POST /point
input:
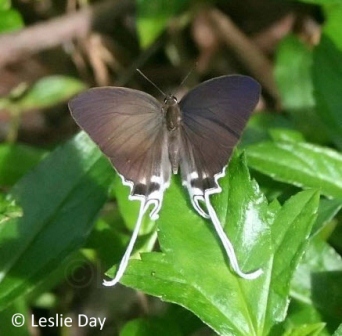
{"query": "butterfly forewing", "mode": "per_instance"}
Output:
(128, 127)
(214, 115)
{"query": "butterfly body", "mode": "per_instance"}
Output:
(173, 118)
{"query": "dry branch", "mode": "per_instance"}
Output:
(17, 45)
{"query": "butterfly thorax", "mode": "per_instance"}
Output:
(172, 113)
(173, 119)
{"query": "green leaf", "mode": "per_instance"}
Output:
(299, 163)
(10, 20)
(6, 322)
(326, 212)
(327, 296)
(294, 79)
(333, 23)
(192, 269)
(327, 77)
(49, 91)
(318, 259)
(172, 320)
(130, 209)
(5, 4)
(280, 134)
(300, 315)
(150, 327)
(186, 321)
(336, 237)
(8, 209)
(60, 199)
(306, 330)
(153, 17)
(290, 230)
(316, 281)
(16, 160)
(322, 2)
(292, 73)
(338, 332)
(259, 125)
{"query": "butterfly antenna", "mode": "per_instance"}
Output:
(151, 82)
(188, 74)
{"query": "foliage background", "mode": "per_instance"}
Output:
(64, 215)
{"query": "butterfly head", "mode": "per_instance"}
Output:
(170, 100)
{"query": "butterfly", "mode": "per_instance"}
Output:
(147, 141)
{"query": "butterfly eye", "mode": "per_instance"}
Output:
(170, 100)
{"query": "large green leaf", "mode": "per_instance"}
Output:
(8, 321)
(16, 160)
(290, 233)
(338, 332)
(49, 91)
(328, 208)
(318, 259)
(259, 125)
(60, 199)
(294, 79)
(333, 23)
(46, 92)
(5, 4)
(193, 271)
(327, 77)
(302, 319)
(129, 210)
(10, 19)
(322, 2)
(305, 330)
(150, 327)
(299, 163)
(8, 209)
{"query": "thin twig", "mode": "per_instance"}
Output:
(18, 45)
